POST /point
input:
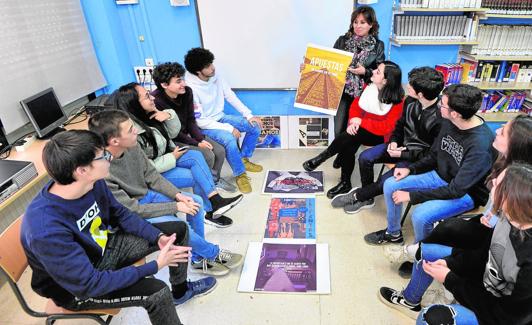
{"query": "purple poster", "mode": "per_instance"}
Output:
(296, 182)
(287, 268)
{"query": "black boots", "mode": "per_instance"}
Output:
(343, 187)
(313, 163)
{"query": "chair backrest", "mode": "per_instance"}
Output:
(12, 257)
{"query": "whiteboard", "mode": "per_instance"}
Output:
(260, 44)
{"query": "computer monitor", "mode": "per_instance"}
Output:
(45, 112)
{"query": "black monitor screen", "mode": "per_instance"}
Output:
(45, 109)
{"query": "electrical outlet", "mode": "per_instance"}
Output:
(148, 62)
(143, 75)
(176, 3)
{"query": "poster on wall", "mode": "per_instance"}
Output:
(293, 182)
(274, 134)
(291, 218)
(322, 80)
(310, 132)
(286, 268)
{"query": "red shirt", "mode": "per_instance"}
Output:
(382, 125)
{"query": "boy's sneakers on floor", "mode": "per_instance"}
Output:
(242, 181)
(341, 200)
(229, 259)
(437, 296)
(197, 288)
(251, 167)
(395, 299)
(225, 185)
(221, 205)
(218, 220)
(209, 267)
(398, 254)
(359, 205)
(382, 237)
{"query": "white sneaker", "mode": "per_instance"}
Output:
(437, 296)
(398, 254)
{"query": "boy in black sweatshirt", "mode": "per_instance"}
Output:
(411, 139)
(450, 179)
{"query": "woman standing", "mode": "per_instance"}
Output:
(372, 118)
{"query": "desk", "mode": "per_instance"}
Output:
(15, 205)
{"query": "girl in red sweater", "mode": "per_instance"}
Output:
(372, 118)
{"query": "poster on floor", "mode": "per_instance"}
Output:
(322, 80)
(291, 218)
(274, 134)
(286, 268)
(310, 132)
(293, 182)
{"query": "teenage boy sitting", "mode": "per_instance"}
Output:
(411, 139)
(450, 179)
(172, 93)
(80, 242)
(210, 91)
(135, 182)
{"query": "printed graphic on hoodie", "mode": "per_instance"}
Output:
(92, 217)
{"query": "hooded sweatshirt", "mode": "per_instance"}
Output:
(209, 101)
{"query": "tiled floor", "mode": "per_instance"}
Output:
(357, 270)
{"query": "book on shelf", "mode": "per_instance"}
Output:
(502, 101)
(495, 72)
(508, 7)
(441, 4)
(498, 40)
(427, 27)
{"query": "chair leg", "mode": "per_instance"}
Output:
(405, 214)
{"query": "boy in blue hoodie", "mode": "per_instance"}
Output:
(80, 242)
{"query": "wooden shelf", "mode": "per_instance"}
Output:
(408, 9)
(503, 85)
(397, 42)
(495, 58)
(508, 16)
(498, 116)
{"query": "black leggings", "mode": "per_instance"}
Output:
(346, 146)
(153, 295)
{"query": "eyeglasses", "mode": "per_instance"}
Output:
(106, 155)
(441, 106)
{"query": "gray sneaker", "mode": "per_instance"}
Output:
(224, 185)
(209, 267)
(341, 200)
(359, 205)
(229, 259)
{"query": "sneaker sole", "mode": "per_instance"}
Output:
(228, 207)
(220, 273)
(385, 243)
(399, 308)
(369, 206)
(217, 225)
(339, 195)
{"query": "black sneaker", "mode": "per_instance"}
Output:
(221, 205)
(341, 200)
(382, 237)
(395, 299)
(359, 205)
(218, 220)
(405, 270)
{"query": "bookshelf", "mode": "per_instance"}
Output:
(477, 57)
(397, 42)
(401, 9)
(502, 85)
(506, 16)
(498, 116)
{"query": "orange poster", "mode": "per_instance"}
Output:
(323, 78)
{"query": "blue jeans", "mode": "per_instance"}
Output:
(366, 160)
(420, 280)
(196, 227)
(192, 171)
(427, 213)
(460, 314)
(233, 154)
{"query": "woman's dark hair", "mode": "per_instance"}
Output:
(164, 72)
(519, 145)
(69, 150)
(197, 59)
(127, 99)
(392, 92)
(514, 194)
(369, 16)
